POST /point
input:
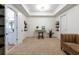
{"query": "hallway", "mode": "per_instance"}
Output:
(47, 21)
(33, 46)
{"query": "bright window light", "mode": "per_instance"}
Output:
(42, 7)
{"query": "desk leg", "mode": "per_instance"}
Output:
(42, 35)
(38, 35)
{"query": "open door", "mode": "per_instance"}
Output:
(10, 28)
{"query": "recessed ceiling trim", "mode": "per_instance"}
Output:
(54, 13)
(26, 9)
(37, 14)
(59, 8)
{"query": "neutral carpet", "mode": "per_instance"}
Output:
(33, 46)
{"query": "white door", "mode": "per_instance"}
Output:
(10, 27)
(63, 24)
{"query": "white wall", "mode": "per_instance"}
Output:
(72, 17)
(21, 32)
(48, 22)
(73, 20)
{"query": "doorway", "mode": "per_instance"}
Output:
(10, 28)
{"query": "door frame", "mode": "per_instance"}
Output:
(16, 22)
(61, 22)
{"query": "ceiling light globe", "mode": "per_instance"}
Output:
(43, 7)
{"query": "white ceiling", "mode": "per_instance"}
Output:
(32, 8)
(54, 9)
(33, 11)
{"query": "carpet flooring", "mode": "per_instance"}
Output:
(33, 46)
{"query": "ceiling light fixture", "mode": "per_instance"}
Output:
(42, 7)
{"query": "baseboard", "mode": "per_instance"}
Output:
(10, 50)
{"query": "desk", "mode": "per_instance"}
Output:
(40, 33)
